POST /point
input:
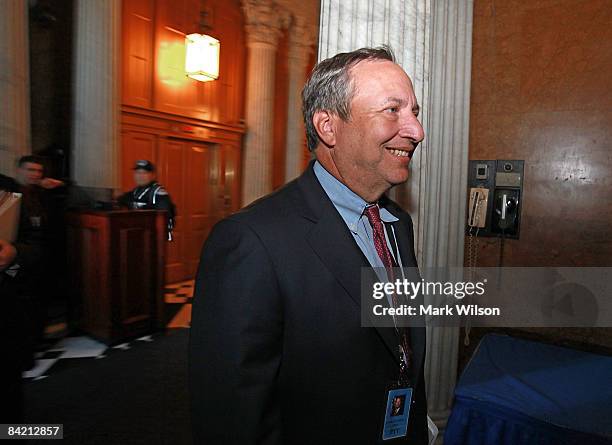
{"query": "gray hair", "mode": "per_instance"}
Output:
(330, 86)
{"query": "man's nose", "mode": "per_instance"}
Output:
(411, 128)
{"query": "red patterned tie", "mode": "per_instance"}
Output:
(380, 243)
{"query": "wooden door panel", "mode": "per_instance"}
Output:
(135, 268)
(226, 100)
(137, 52)
(199, 194)
(171, 172)
(134, 146)
(174, 91)
(232, 179)
(153, 53)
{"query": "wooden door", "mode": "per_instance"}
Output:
(172, 164)
(199, 194)
(190, 171)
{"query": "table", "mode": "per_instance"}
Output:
(516, 392)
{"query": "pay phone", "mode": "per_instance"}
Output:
(494, 207)
(495, 189)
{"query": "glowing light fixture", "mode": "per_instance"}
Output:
(202, 57)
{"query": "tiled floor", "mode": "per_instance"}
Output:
(179, 292)
(178, 299)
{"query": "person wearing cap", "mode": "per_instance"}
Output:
(148, 193)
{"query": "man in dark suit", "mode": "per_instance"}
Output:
(15, 338)
(277, 353)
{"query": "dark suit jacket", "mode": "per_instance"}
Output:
(277, 353)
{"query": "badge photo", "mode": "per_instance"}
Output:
(397, 413)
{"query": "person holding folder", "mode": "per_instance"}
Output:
(34, 237)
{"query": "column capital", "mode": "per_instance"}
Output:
(301, 39)
(264, 20)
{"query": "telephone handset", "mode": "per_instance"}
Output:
(477, 219)
(477, 212)
(506, 206)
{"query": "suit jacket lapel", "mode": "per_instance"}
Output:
(333, 243)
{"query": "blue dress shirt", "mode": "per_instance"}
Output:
(351, 208)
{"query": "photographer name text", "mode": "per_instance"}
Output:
(437, 311)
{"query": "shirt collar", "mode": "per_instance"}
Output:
(348, 203)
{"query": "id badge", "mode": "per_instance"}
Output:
(397, 413)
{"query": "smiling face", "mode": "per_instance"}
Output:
(372, 150)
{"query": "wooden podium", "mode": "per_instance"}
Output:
(116, 270)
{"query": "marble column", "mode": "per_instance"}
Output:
(432, 42)
(95, 143)
(300, 50)
(14, 84)
(264, 22)
(443, 178)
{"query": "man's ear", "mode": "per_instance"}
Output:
(326, 125)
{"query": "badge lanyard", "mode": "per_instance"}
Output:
(399, 396)
(403, 345)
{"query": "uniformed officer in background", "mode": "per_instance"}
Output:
(149, 194)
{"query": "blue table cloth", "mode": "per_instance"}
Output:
(516, 392)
